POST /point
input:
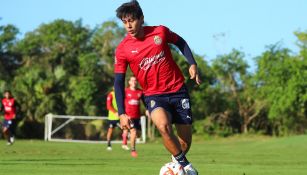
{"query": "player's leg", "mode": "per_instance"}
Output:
(135, 127)
(124, 138)
(133, 135)
(12, 130)
(162, 121)
(109, 134)
(6, 131)
(183, 122)
(184, 133)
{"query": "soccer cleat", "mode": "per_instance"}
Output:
(189, 170)
(134, 154)
(12, 139)
(109, 148)
(125, 147)
(9, 143)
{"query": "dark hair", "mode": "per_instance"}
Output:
(131, 8)
(7, 91)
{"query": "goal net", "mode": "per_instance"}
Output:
(84, 129)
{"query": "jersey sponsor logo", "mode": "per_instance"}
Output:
(146, 63)
(185, 103)
(115, 60)
(157, 40)
(133, 102)
(152, 103)
(8, 108)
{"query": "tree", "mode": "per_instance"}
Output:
(51, 64)
(9, 59)
(234, 80)
(282, 85)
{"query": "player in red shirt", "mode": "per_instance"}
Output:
(146, 51)
(133, 97)
(9, 107)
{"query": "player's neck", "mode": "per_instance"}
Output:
(140, 34)
(132, 88)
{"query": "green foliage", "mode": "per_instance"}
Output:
(282, 85)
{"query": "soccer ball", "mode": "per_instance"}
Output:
(172, 168)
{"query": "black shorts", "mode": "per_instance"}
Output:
(9, 124)
(135, 123)
(113, 123)
(177, 104)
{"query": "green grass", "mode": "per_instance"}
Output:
(232, 156)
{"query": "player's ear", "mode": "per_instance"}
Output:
(142, 19)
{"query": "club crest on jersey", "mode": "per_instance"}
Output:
(185, 103)
(152, 103)
(157, 40)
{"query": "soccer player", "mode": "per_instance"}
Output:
(133, 97)
(9, 107)
(113, 121)
(145, 49)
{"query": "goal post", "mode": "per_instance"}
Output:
(83, 129)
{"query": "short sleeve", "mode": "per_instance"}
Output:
(120, 62)
(171, 37)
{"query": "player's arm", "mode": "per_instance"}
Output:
(173, 38)
(143, 100)
(109, 103)
(119, 86)
(186, 51)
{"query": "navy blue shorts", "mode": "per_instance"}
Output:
(8, 123)
(177, 104)
(113, 123)
(135, 123)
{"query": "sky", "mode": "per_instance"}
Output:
(211, 27)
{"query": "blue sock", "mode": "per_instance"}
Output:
(182, 160)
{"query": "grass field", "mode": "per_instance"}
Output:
(251, 155)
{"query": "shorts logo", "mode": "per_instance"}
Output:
(185, 103)
(157, 40)
(152, 103)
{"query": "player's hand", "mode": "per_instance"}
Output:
(147, 113)
(124, 121)
(194, 74)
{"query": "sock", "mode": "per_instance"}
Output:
(109, 143)
(9, 136)
(124, 136)
(182, 160)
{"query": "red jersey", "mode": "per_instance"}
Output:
(150, 60)
(132, 102)
(9, 108)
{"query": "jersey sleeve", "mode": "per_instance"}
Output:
(120, 63)
(171, 37)
(109, 103)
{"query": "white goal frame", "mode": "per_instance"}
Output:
(49, 131)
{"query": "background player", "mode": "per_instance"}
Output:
(133, 97)
(113, 121)
(146, 51)
(9, 107)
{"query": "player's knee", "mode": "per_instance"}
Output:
(164, 129)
